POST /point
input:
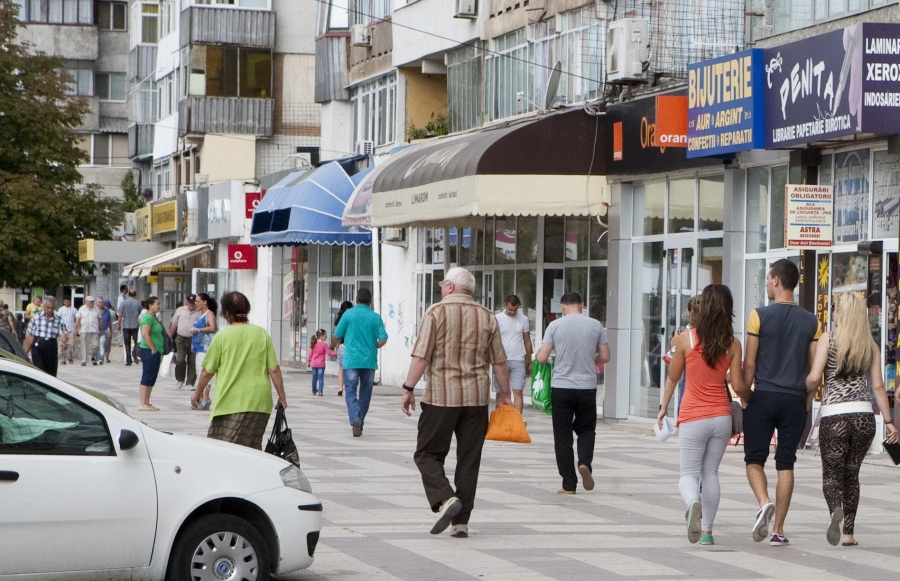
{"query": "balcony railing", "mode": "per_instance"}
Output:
(225, 115)
(140, 140)
(204, 25)
(232, 4)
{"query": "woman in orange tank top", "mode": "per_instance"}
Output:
(707, 352)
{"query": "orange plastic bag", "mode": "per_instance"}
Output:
(506, 425)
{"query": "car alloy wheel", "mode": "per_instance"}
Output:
(224, 556)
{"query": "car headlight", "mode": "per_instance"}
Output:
(293, 477)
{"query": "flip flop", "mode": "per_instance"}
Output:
(205, 406)
(148, 408)
(853, 544)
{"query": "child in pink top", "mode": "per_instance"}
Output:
(318, 348)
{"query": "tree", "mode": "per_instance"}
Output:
(45, 209)
(133, 200)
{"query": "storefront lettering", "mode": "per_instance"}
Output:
(800, 83)
(420, 198)
(720, 82)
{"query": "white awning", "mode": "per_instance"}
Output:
(145, 267)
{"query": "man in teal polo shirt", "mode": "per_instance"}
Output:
(362, 331)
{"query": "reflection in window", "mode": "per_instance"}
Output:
(230, 71)
(779, 180)
(710, 271)
(554, 239)
(712, 202)
(681, 206)
(599, 238)
(505, 241)
(649, 208)
(647, 293)
(526, 290)
(577, 235)
(757, 208)
(526, 240)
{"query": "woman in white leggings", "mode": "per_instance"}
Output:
(708, 352)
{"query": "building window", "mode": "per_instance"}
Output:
(168, 18)
(111, 86)
(144, 102)
(796, 14)
(162, 178)
(113, 15)
(332, 15)
(81, 82)
(56, 11)
(106, 149)
(149, 23)
(375, 103)
(368, 11)
(230, 71)
(464, 85)
(167, 89)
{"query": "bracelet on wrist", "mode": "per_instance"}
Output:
(408, 388)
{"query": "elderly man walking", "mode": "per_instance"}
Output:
(67, 348)
(46, 332)
(458, 342)
(180, 330)
(87, 326)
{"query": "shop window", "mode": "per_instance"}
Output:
(111, 86)
(526, 240)
(554, 240)
(710, 271)
(779, 180)
(597, 295)
(599, 240)
(453, 244)
(885, 206)
(754, 287)
(504, 285)
(472, 250)
(647, 293)
(526, 290)
(712, 202)
(56, 11)
(851, 196)
(577, 234)
(681, 206)
(576, 281)
(113, 15)
(505, 234)
(554, 288)
(350, 262)
(826, 169)
(649, 208)
(365, 260)
(757, 208)
(149, 23)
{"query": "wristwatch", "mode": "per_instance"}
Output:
(408, 388)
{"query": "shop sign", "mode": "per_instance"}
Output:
(225, 204)
(725, 105)
(840, 83)
(808, 216)
(252, 200)
(241, 257)
(86, 250)
(650, 135)
(165, 217)
(142, 223)
(153, 278)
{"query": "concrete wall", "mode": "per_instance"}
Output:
(337, 130)
(71, 42)
(295, 27)
(367, 62)
(398, 310)
(425, 95)
(107, 177)
(508, 15)
(432, 30)
(228, 157)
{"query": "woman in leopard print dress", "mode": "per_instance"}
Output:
(848, 357)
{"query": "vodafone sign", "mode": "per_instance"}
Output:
(241, 257)
(253, 199)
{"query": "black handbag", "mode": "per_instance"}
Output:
(281, 442)
(168, 343)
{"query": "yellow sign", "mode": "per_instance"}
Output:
(165, 217)
(142, 224)
(86, 250)
(153, 278)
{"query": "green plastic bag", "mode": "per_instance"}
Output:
(540, 386)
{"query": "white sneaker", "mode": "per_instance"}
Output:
(448, 510)
(179, 385)
(459, 531)
(188, 388)
(760, 528)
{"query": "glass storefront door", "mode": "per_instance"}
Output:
(680, 284)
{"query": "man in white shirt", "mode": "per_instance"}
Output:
(67, 350)
(515, 333)
(87, 326)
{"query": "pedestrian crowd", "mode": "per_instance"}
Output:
(464, 351)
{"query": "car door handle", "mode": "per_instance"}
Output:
(8, 476)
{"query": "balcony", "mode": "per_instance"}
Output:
(140, 140)
(231, 4)
(70, 42)
(141, 61)
(251, 28)
(426, 29)
(225, 115)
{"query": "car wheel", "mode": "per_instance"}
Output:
(219, 547)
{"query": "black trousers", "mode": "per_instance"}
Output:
(130, 336)
(45, 355)
(437, 425)
(574, 410)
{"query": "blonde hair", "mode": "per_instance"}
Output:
(852, 336)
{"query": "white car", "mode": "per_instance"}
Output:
(87, 492)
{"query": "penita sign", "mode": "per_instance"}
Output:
(241, 257)
(725, 105)
(836, 84)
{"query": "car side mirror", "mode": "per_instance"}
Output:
(127, 440)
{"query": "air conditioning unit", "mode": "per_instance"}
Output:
(393, 235)
(360, 35)
(466, 9)
(184, 189)
(626, 50)
(365, 147)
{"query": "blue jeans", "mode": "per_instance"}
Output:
(358, 392)
(318, 378)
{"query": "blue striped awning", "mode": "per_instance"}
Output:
(306, 208)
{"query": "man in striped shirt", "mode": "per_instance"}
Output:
(41, 338)
(458, 342)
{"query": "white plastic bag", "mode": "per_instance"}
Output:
(165, 368)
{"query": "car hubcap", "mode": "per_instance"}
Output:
(224, 557)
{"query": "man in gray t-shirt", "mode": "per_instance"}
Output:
(580, 344)
(129, 313)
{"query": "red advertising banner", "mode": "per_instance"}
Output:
(241, 257)
(253, 199)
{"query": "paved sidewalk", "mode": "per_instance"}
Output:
(629, 527)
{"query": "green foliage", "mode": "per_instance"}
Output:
(44, 207)
(133, 200)
(437, 126)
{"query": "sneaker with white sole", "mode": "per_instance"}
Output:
(692, 518)
(459, 531)
(778, 540)
(179, 386)
(448, 510)
(760, 528)
(833, 535)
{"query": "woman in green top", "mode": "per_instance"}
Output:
(243, 358)
(151, 347)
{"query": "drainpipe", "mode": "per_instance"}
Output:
(376, 288)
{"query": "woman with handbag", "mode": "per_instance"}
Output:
(243, 359)
(848, 357)
(151, 347)
(707, 352)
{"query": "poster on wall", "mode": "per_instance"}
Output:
(886, 196)
(851, 196)
(808, 216)
(288, 282)
(822, 312)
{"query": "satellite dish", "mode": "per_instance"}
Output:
(552, 86)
